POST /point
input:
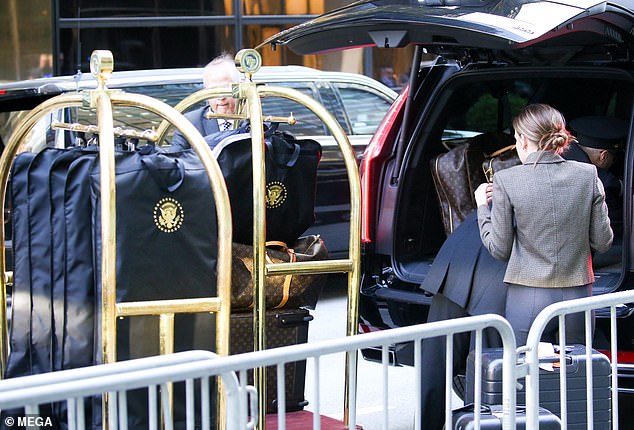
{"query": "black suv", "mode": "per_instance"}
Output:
(475, 65)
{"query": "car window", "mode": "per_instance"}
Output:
(364, 107)
(168, 93)
(331, 102)
(485, 108)
(489, 107)
(308, 124)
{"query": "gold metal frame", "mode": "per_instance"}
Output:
(103, 99)
(249, 95)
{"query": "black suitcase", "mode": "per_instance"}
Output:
(549, 395)
(283, 327)
(491, 418)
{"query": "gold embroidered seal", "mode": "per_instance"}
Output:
(168, 215)
(275, 194)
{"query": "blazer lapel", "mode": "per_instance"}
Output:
(210, 126)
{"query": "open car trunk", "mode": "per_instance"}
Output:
(476, 108)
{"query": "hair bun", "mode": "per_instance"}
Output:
(557, 139)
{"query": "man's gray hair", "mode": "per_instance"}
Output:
(224, 62)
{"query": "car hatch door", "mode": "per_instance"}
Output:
(491, 24)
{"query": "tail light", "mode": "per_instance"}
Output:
(622, 357)
(374, 154)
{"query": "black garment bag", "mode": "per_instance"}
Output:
(166, 245)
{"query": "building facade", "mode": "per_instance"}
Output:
(44, 37)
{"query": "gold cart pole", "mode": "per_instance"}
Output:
(101, 64)
(352, 265)
(248, 61)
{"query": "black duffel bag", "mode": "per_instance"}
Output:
(291, 177)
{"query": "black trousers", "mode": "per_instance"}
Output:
(433, 360)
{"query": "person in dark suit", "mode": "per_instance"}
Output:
(220, 72)
(599, 142)
(465, 280)
(548, 215)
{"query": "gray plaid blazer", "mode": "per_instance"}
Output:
(546, 219)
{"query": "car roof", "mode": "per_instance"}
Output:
(440, 25)
(23, 95)
(122, 79)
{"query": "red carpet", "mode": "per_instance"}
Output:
(303, 420)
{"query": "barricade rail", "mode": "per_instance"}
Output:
(116, 379)
(559, 311)
(73, 385)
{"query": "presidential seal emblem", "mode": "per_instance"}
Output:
(168, 215)
(275, 194)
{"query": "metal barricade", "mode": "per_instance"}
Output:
(150, 372)
(560, 310)
(116, 379)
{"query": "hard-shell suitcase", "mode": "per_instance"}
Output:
(283, 327)
(549, 394)
(491, 418)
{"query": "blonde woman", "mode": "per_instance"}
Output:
(547, 215)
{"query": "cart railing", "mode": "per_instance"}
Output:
(559, 311)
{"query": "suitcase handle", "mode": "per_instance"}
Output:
(470, 407)
(555, 359)
(486, 409)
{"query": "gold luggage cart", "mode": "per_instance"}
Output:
(249, 94)
(248, 61)
(102, 99)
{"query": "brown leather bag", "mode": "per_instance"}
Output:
(291, 291)
(458, 172)
(499, 160)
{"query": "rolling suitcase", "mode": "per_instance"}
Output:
(491, 418)
(549, 395)
(283, 327)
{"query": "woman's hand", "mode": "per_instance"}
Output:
(483, 194)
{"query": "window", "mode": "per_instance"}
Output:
(127, 8)
(365, 109)
(308, 124)
(137, 48)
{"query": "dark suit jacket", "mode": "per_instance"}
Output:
(465, 272)
(203, 125)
